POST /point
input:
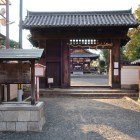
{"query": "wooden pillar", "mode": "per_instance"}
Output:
(33, 82)
(8, 92)
(0, 93)
(42, 45)
(116, 70)
(65, 65)
(43, 80)
(110, 68)
(139, 84)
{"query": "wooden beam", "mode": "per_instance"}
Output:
(98, 46)
(73, 34)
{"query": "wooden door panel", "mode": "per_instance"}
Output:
(54, 71)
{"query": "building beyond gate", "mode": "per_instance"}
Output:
(80, 60)
(56, 32)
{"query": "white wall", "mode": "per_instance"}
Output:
(129, 76)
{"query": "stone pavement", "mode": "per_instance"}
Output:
(85, 119)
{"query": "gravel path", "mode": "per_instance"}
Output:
(89, 80)
(85, 119)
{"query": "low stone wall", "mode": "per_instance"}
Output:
(21, 116)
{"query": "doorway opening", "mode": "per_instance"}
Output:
(89, 63)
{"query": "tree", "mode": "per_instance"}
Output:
(106, 55)
(32, 41)
(132, 48)
(13, 44)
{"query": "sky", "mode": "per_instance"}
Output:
(61, 5)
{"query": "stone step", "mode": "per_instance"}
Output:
(87, 92)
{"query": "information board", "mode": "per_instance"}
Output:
(15, 73)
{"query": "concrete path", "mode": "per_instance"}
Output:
(85, 119)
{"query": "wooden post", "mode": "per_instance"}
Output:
(8, 92)
(33, 82)
(139, 84)
(110, 68)
(116, 68)
(0, 93)
(65, 65)
(37, 88)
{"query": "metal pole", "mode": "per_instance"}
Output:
(7, 25)
(20, 24)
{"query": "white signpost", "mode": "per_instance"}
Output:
(39, 72)
(50, 80)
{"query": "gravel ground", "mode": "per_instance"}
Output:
(85, 119)
(89, 80)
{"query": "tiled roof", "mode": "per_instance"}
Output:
(20, 54)
(86, 54)
(79, 19)
(136, 61)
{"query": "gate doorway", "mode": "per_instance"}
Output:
(89, 63)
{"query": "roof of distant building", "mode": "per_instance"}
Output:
(83, 54)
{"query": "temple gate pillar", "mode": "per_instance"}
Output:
(65, 64)
(115, 64)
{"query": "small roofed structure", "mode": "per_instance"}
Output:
(20, 54)
(136, 62)
(17, 71)
(80, 60)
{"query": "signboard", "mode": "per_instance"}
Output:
(40, 70)
(116, 65)
(15, 73)
(116, 72)
(50, 80)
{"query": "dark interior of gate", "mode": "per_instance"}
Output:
(61, 33)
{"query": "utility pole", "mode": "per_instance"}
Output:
(20, 24)
(20, 91)
(7, 25)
